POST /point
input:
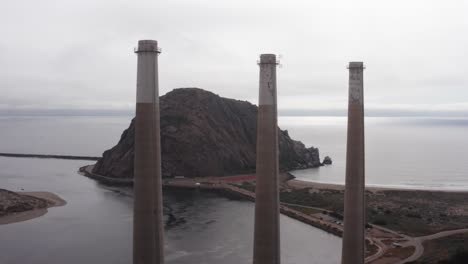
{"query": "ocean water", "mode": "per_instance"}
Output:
(66, 135)
(95, 226)
(404, 152)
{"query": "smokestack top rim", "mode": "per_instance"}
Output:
(356, 64)
(268, 58)
(147, 45)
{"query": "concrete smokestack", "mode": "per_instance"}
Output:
(267, 235)
(148, 243)
(354, 204)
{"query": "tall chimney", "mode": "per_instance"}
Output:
(148, 242)
(266, 234)
(354, 204)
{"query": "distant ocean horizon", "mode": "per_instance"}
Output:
(401, 152)
(95, 226)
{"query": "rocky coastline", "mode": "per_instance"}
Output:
(203, 134)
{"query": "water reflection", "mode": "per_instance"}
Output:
(96, 224)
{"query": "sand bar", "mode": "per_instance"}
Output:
(53, 200)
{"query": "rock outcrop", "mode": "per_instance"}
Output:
(327, 160)
(11, 202)
(203, 134)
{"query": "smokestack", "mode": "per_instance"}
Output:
(148, 243)
(266, 234)
(354, 204)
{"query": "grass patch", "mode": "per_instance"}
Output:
(446, 250)
(415, 213)
(305, 210)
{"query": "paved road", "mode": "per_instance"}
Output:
(418, 241)
(382, 246)
(381, 250)
(305, 206)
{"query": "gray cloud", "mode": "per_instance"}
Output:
(78, 54)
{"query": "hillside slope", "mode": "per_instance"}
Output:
(203, 134)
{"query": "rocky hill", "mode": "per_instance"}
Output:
(203, 134)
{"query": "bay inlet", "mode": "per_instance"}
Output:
(96, 224)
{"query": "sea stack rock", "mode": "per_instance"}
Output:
(203, 134)
(327, 160)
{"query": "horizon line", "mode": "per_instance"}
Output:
(281, 112)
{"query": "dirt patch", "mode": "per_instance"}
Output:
(393, 255)
(438, 250)
(412, 212)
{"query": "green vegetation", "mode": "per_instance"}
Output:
(414, 213)
(460, 256)
(305, 210)
(399, 252)
(246, 186)
(327, 199)
(380, 221)
(446, 250)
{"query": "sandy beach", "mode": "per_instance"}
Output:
(52, 200)
(298, 184)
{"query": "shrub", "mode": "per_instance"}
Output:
(461, 256)
(336, 215)
(380, 221)
(413, 215)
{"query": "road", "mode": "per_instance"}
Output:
(417, 242)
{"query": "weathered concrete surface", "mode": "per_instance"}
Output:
(148, 243)
(266, 234)
(354, 212)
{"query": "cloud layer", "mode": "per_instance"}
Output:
(79, 54)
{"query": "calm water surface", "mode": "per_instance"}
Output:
(73, 135)
(407, 152)
(422, 153)
(96, 224)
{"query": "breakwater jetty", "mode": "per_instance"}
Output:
(47, 156)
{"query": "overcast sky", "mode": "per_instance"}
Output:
(79, 54)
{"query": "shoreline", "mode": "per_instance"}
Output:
(324, 212)
(88, 172)
(294, 182)
(52, 200)
(222, 186)
(340, 187)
